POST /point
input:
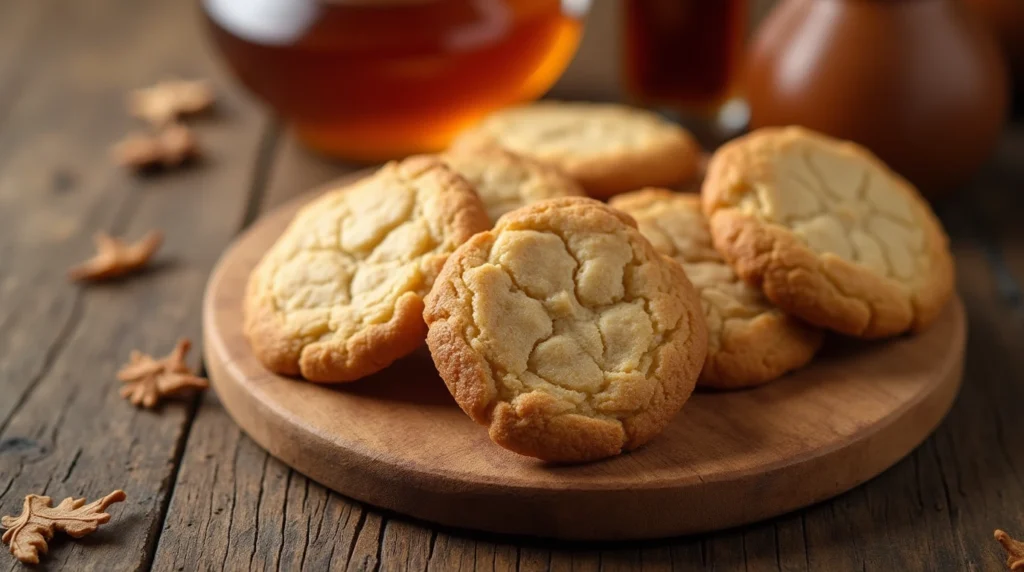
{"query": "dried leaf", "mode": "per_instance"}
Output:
(115, 258)
(169, 100)
(172, 146)
(1014, 550)
(148, 380)
(28, 534)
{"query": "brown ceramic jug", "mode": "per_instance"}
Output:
(1006, 18)
(920, 82)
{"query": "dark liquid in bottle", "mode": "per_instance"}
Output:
(684, 53)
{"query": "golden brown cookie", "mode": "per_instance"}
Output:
(828, 232)
(750, 341)
(506, 181)
(609, 149)
(340, 295)
(565, 333)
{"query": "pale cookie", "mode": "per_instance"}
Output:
(828, 232)
(340, 295)
(565, 333)
(506, 181)
(608, 148)
(750, 341)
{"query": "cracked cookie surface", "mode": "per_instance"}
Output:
(506, 181)
(565, 333)
(828, 232)
(609, 149)
(340, 294)
(750, 341)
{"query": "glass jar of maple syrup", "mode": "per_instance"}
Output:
(377, 79)
(685, 57)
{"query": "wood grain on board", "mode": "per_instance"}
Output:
(397, 440)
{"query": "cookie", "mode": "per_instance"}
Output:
(750, 341)
(828, 232)
(340, 295)
(506, 181)
(609, 149)
(565, 333)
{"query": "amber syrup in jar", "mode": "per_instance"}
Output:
(377, 79)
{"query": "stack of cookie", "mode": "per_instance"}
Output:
(575, 329)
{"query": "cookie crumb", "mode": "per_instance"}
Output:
(115, 258)
(148, 380)
(27, 534)
(1014, 550)
(170, 100)
(170, 147)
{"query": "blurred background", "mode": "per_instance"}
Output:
(603, 42)
(370, 80)
(924, 84)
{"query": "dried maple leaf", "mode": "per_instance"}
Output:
(172, 146)
(27, 534)
(115, 258)
(169, 100)
(1014, 550)
(150, 379)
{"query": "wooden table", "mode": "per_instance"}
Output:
(201, 495)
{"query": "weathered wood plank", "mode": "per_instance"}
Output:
(979, 448)
(23, 46)
(63, 428)
(234, 506)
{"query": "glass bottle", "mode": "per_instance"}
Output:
(685, 56)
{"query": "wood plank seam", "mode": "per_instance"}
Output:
(950, 514)
(380, 537)
(178, 451)
(231, 510)
(284, 517)
(355, 535)
(269, 143)
(172, 478)
(49, 358)
(122, 216)
(259, 502)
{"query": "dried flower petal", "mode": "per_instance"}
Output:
(1014, 550)
(169, 100)
(28, 533)
(172, 146)
(148, 380)
(115, 258)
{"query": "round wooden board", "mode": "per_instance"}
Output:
(397, 440)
